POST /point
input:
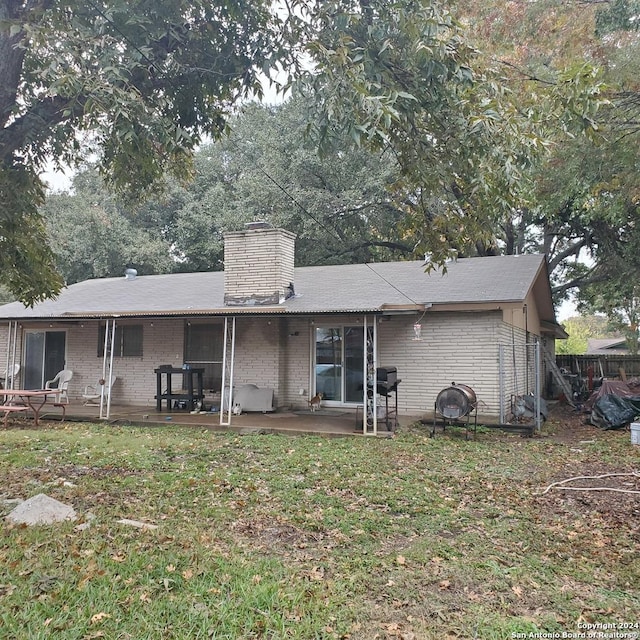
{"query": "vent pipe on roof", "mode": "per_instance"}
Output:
(130, 274)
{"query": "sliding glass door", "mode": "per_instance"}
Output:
(339, 363)
(44, 356)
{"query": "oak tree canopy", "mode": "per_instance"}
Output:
(138, 85)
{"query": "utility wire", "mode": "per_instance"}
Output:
(302, 208)
(330, 230)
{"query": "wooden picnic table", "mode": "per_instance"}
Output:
(35, 400)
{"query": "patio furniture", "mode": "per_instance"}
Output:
(7, 377)
(94, 393)
(10, 408)
(60, 384)
(32, 399)
(250, 397)
(188, 392)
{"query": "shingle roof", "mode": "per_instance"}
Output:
(323, 289)
(611, 346)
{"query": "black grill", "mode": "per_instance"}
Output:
(386, 380)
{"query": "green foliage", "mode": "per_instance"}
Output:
(581, 194)
(5, 295)
(404, 77)
(95, 236)
(138, 86)
(26, 262)
(398, 77)
(135, 84)
(619, 299)
(337, 205)
(618, 15)
(580, 330)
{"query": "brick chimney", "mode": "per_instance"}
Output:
(258, 265)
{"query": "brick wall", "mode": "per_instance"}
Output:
(295, 367)
(276, 352)
(455, 347)
(136, 380)
(257, 353)
(258, 266)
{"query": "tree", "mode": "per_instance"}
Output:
(580, 330)
(138, 83)
(618, 295)
(95, 235)
(582, 201)
(466, 134)
(337, 205)
(622, 309)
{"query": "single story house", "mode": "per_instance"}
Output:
(295, 331)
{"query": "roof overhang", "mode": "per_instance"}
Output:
(224, 312)
(403, 309)
(553, 329)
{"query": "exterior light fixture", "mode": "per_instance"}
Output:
(417, 331)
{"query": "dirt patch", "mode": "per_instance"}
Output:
(285, 539)
(60, 475)
(569, 425)
(614, 500)
(596, 491)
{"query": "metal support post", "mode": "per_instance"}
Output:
(228, 359)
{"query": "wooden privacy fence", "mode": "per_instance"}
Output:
(603, 366)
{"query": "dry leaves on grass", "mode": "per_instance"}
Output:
(99, 617)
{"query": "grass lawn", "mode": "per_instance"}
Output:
(270, 536)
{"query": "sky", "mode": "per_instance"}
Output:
(57, 180)
(566, 310)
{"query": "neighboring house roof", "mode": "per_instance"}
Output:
(374, 287)
(604, 346)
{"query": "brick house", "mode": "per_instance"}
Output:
(295, 331)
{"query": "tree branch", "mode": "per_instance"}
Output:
(581, 281)
(524, 74)
(394, 246)
(38, 119)
(573, 249)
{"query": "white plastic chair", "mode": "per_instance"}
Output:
(60, 384)
(93, 393)
(7, 378)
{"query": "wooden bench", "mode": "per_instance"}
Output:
(10, 408)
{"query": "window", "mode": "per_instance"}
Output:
(128, 341)
(203, 347)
